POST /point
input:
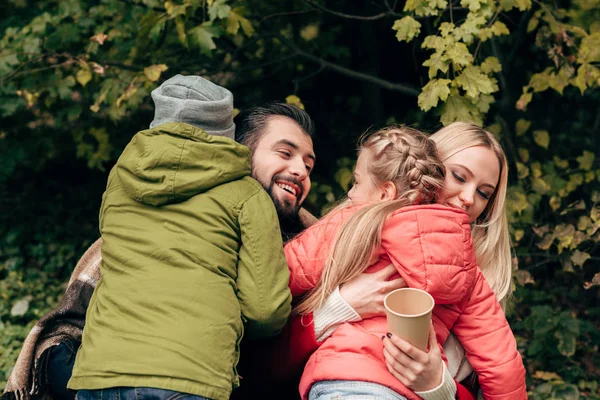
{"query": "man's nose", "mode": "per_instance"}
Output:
(298, 168)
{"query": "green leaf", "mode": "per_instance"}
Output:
(235, 20)
(406, 28)
(435, 90)
(542, 138)
(566, 343)
(586, 160)
(202, 36)
(474, 82)
(153, 72)
(457, 108)
(218, 9)
(180, 27)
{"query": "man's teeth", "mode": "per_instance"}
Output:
(287, 188)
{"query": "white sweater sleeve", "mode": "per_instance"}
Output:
(445, 391)
(334, 312)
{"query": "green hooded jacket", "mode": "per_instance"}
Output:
(192, 254)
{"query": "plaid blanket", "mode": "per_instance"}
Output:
(65, 324)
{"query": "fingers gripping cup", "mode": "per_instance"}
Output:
(408, 314)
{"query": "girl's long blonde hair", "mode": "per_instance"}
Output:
(490, 230)
(397, 154)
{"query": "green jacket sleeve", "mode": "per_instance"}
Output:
(263, 275)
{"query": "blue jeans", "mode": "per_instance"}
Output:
(135, 393)
(351, 390)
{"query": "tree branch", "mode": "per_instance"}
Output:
(396, 87)
(348, 16)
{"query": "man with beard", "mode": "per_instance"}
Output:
(279, 137)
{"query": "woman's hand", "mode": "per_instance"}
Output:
(415, 369)
(366, 292)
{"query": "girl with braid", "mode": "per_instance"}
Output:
(391, 217)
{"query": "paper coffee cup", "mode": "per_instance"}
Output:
(408, 314)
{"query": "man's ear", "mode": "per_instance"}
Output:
(388, 191)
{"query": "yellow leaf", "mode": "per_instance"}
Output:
(519, 234)
(153, 72)
(560, 163)
(594, 282)
(542, 138)
(595, 214)
(236, 111)
(546, 376)
(586, 160)
(546, 242)
(536, 169)
(524, 154)
(523, 277)
(540, 185)
(99, 38)
(97, 68)
(522, 171)
(295, 101)
(580, 257)
(555, 203)
(518, 202)
(83, 76)
(589, 176)
(522, 126)
(309, 32)
(131, 89)
(29, 97)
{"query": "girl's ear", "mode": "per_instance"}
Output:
(388, 191)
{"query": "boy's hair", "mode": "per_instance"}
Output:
(397, 154)
(251, 123)
(490, 231)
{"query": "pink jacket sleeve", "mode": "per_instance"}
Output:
(490, 345)
(432, 248)
(306, 254)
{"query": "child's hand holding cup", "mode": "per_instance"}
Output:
(408, 312)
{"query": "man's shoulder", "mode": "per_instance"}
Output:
(239, 191)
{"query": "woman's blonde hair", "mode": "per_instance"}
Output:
(490, 230)
(397, 154)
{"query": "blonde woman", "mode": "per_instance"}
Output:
(396, 169)
(469, 154)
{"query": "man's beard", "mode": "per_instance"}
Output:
(285, 209)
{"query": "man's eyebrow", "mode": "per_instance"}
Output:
(295, 147)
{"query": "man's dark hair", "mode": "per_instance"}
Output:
(250, 124)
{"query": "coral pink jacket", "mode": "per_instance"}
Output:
(432, 249)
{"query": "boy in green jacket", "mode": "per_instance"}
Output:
(192, 256)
